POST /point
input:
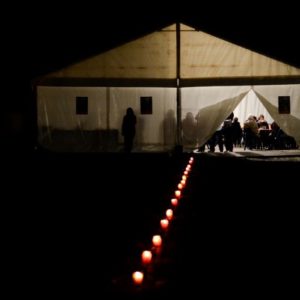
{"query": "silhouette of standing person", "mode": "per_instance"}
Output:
(128, 129)
(189, 129)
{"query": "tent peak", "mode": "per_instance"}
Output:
(183, 27)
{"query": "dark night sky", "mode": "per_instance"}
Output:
(51, 35)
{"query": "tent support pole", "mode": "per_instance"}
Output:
(107, 108)
(178, 90)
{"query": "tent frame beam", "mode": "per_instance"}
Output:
(240, 81)
(154, 82)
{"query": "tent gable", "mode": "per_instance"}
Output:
(206, 56)
(153, 56)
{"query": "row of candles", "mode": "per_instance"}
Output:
(147, 255)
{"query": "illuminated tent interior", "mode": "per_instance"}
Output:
(164, 76)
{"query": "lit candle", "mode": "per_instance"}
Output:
(184, 177)
(174, 201)
(156, 241)
(183, 182)
(146, 257)
(169, 214)
(180, 186)
(138, 277)
(177, 194)
(164, 223)
(185, 172)
(192, 158)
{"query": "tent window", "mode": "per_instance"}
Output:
(284, 105)
(81, 105)
(146, 105)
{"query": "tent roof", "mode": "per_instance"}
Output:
(151, 61)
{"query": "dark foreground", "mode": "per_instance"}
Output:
(75, 225)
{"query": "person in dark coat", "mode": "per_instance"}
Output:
(236, 132)
(128, 129)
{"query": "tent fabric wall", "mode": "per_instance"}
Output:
(268, 95)
(156, 128)
(61, 129)
(56, 108)
(251, 105)
(210, 106)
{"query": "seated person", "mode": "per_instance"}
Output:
(250, 131)
(280, 140)
(262, 123)
(264, 132)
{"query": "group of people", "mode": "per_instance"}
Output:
(259, 134)
(256, 133)
(228, 135)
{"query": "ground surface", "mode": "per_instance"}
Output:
(75, 225)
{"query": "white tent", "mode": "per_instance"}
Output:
(179, 72)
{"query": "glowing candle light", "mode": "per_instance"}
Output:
(180, 186)
(191, 158)
(146, 257)
(185, 172)
(177, 194)
(184, 177)
(164, 224)
(174, 201)
(138, 277)
(169, 214)
(183, 182)
(156, 240)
